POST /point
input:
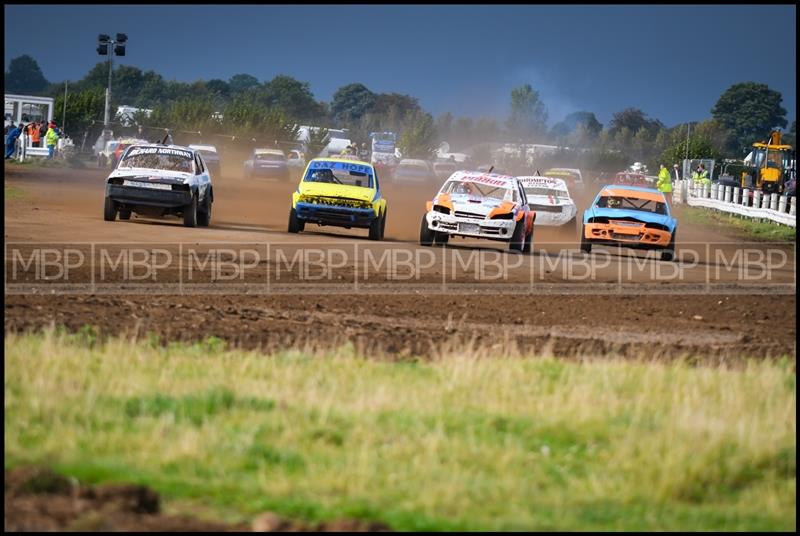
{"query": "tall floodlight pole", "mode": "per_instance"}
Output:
(104, 49)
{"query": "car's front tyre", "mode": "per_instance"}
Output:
(668, 254)
(586, 246)
(377, 226)
(295, 224)
(204, 213)
(517, 242)
(109, 209)
(426, 235)
(190, 213)
(528, 242)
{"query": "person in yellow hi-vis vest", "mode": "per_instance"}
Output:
(664, 183)
(700, 176)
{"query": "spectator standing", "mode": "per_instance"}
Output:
(11, 141)
(676, 172)
(35, 134)
(664, 183)
(51, 138)
(42, 129)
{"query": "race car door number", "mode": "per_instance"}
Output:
(152, 185)
(469, 228)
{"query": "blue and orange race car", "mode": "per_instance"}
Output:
(632, 217)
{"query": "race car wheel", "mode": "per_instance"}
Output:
(124, 213)
(528, 242)
(440, 239)
(668, 254)
(204, 213)
(190, 213)
(586, 246)
(426, 236)
(295, 225)
(109, 209)
(376, 227)
(517, 242)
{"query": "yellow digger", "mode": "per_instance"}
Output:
(769, 165)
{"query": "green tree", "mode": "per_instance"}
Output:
(749, 111)
(790, 137)
(634, 120)
(352, 101)
(242, 83)
(218, 87)
(528, 114)
(591, 126)
(317, 140)
(126, 85)
(24, 76)
(96, 77)
(402, 104)
(247, 118)
(418, 139)
(700, 146)
(152, 90)
(84, 113)
(291, 96)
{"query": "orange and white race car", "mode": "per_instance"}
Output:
(631, 217)
(479, 205)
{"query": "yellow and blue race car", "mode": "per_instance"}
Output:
(339, 192)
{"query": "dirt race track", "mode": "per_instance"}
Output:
(723, 298)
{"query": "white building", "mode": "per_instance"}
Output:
(125, 114)
(27, 108)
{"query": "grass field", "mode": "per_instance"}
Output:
(745, 227)
(459, 442)
(12, 192)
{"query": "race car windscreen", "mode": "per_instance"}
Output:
(631, 203)
(331, 172)
(479, 191)
(161, 158)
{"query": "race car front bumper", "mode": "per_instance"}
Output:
(633, 237)
(335, 215)
(131, 195)
(453, 225)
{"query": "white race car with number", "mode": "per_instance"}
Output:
(156, 180)
(550, 198)
(479, 205)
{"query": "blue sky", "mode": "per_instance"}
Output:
(673, 62)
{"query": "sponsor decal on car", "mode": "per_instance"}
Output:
(160, 151)
(332, 164)
(152, 185)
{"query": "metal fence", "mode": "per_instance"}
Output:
(745, 202)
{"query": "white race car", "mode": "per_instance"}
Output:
(550, 198)
(156, 180)
(479, 205)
